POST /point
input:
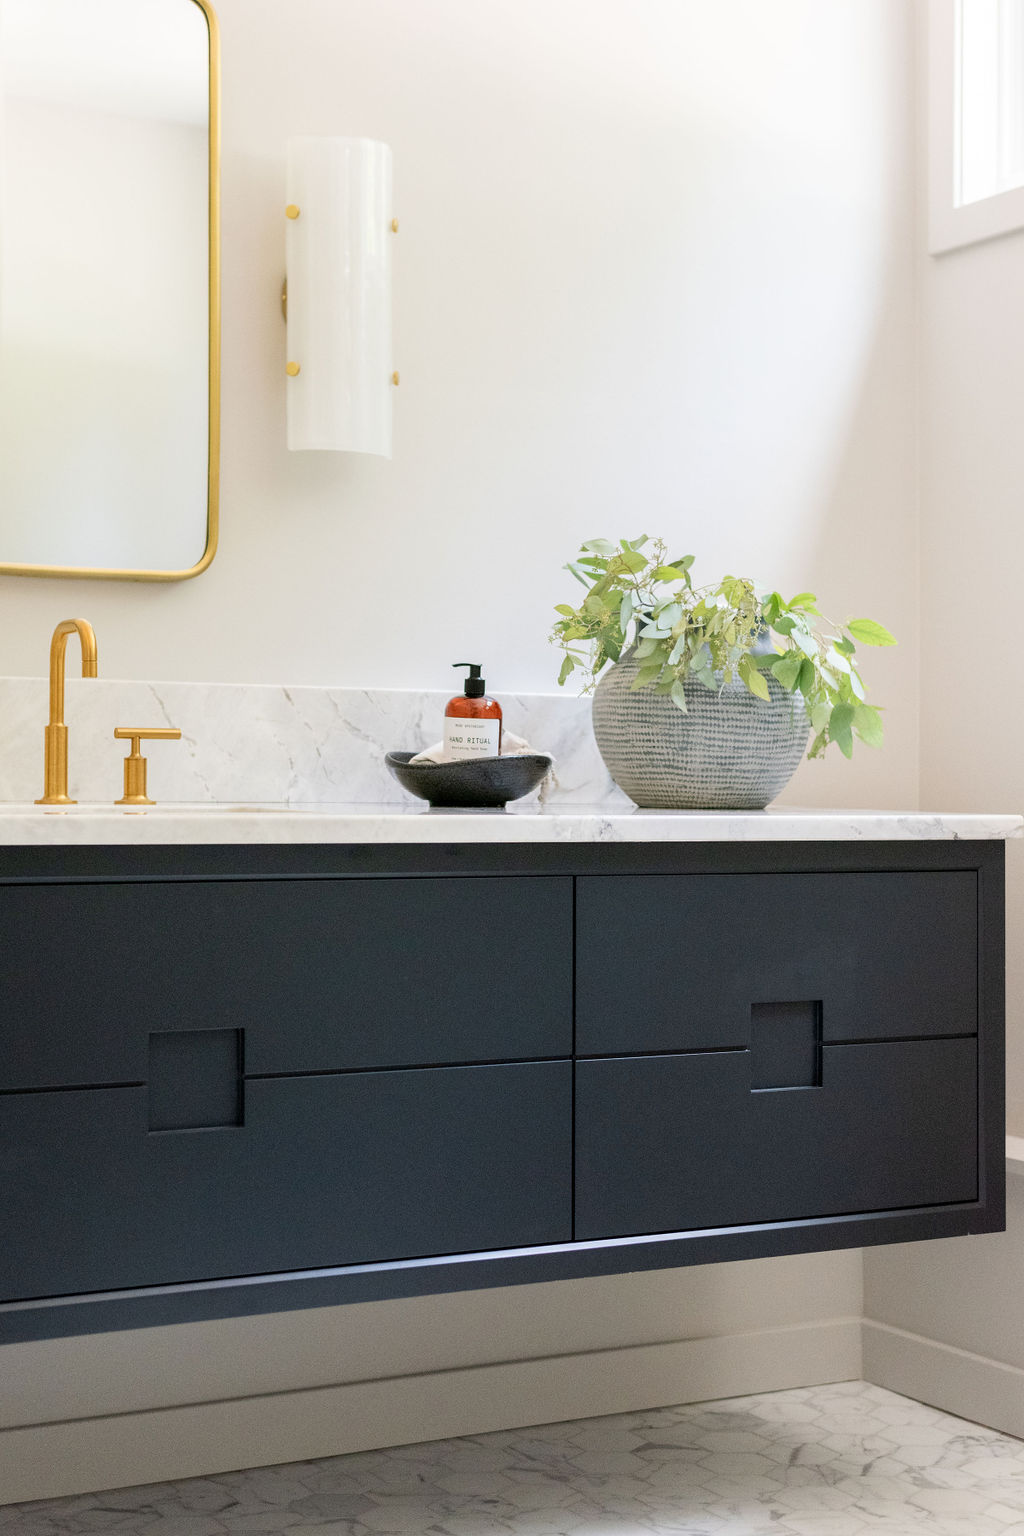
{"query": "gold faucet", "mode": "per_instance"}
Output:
(55, 784)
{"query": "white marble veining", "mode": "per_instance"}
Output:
(843, 1460)
(271, 744)
(265, 764)
(30, 825)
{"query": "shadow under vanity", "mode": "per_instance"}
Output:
(241, 1076)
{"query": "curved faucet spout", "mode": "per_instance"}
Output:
(55, 783)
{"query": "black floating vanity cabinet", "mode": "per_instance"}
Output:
(246, 1079)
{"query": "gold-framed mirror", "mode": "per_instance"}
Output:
(109, 288)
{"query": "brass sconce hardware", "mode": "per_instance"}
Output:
(135, 763)
(291, 212)
(394, 226)
(55, 778)
(292, 369)
(394, 377)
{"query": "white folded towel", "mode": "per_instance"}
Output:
(511, 746)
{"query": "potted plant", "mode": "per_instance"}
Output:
(712, 705)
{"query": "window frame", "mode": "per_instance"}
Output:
(949, 226)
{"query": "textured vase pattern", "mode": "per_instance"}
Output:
(730, 752)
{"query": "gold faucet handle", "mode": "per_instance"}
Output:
(135, 763)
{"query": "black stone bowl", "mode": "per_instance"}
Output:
(482, 782)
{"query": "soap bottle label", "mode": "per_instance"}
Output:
(471, 738)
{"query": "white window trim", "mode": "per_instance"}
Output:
(950, 227)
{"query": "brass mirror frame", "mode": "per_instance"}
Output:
(213, 443)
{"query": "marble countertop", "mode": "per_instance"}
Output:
(90, 825)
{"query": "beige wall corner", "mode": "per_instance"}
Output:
(944, 1321)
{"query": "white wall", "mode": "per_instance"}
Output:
(946, 1320)
(654, 273)
(164, 1403)
(972, 553)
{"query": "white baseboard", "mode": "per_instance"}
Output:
(84, 1455)
(971, 1386)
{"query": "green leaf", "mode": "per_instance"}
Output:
(669, 615)
(646, 676)
(678, 695)
(847, 647)
(669, 573)
(787, 669)
(808, 676)
(820, 716)
(837, 660)
(734, 589)
(646, 648)
(567, 665)
(867, 722)
(570, 613)
(806, 642)
(784, 625)
(802, 600)
(600, 547)
(753, 679)
(633, 560)
(580, 577)
(840, 728)
(625, 610)
(870, 633)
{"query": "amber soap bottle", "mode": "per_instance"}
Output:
(472, 721)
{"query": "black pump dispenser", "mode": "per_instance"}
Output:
(475, 684)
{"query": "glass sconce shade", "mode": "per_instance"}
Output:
(338, 255)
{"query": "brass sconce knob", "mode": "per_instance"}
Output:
(292, 211)
(292, 369)
(135, 763)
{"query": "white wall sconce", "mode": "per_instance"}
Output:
(338, 261)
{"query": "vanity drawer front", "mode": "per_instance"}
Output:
(324, 1171)
(674, 1143)
(676, 962)
(320, 974)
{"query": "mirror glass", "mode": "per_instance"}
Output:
(108, 287)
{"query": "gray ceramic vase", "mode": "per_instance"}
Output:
(730, 752)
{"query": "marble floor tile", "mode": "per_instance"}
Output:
(846, 1460)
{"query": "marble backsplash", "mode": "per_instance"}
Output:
(260, 742)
